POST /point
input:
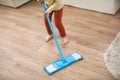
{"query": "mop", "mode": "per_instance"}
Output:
(63, 61)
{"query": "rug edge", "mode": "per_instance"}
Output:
(107, 51)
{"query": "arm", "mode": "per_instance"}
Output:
(53, 6)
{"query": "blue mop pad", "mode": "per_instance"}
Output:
(63, 61)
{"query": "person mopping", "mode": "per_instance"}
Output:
(55, 6)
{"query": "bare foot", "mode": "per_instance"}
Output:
(48, 38)
(65, 41)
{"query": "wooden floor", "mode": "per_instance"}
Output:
(23, 52)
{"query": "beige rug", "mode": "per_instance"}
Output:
(112, 57)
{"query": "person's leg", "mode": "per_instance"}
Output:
(49, 36)
(59, 25)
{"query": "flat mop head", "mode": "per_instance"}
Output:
(62, 63)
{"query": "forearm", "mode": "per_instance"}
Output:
(52, 8)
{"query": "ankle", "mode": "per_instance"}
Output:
(65, 40)
(48, 37)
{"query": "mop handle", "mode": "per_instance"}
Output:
(53, 32)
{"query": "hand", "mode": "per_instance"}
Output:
(45, 13)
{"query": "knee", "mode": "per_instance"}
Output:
(58, 23)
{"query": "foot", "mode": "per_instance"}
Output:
(48, 38)
(65, 41)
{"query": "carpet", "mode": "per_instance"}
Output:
(112, 57)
